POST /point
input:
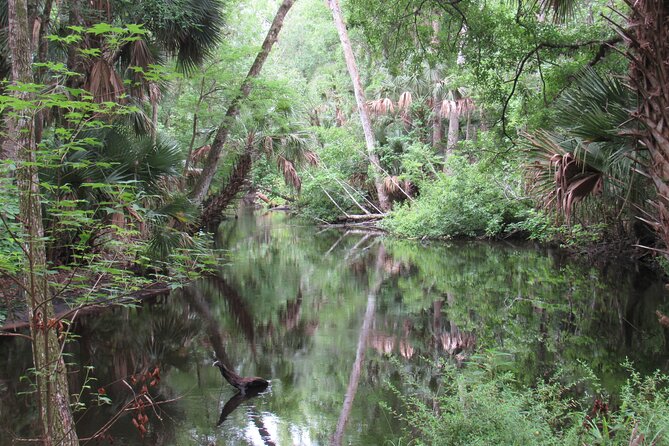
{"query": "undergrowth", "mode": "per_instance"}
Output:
(478, 405)
(469, 202)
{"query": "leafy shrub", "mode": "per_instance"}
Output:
(342, 173)
(469, 202)
(538, 225)
(480, 406)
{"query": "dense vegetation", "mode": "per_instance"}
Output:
(130, 127)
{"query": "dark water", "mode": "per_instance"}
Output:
(332, 318)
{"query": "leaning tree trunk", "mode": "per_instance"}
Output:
(213, 208)
(647, 36)
(211, 164)
(50, 374)
(384, 202)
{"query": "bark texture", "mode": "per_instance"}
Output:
(215, 205)
(437, 131)
(384, 202)
(211, 165)
(50, 373)
(647, 36)
(453, 126)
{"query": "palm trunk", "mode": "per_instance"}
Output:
(50, 374)
(647, 35)
(384, 202)
(213, 208)
(202, 186)
(437, 131)
(453, 127)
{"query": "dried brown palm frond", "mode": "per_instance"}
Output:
(358, 180)
(662, 318)
(311, 158)
(155, 95)
(140, 54)
(200, 154)
(560, 177)
(456, 341)
(466, 105)
(104, 83)
(381, 106)
(459, 106)
(398, 189)
(448, 106)
(289, 172)
(405, 101)
(391, 185)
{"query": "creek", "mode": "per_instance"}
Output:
(332, 317)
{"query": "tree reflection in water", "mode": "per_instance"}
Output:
(331, 318)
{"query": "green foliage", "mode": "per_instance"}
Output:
(476, 411)
(103, 189)
(479, 405)
(469, 202)
(542, 227)
(342, 174)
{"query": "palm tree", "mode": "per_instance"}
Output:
(594, 153)
(123, 162)
(201, 188)
(287, 148)
(647, 37)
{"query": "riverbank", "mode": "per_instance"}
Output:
(68, 309)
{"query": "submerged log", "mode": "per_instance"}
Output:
(245, 385)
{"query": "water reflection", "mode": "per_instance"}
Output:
(329, 318)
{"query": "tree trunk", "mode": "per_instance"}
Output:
(213, 208)
(384, 202)
(437, 130)
(202, 186)
(50, 373)
(647, 35)
(453, 127)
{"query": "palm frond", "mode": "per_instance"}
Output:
(562, 9)
(194, 35)
(289, 172)
(405, 101)
(381, 106)
(312, 158)
(104, 83)
(596, 108)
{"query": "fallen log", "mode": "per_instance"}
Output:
(363, 217)
(64, 311)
